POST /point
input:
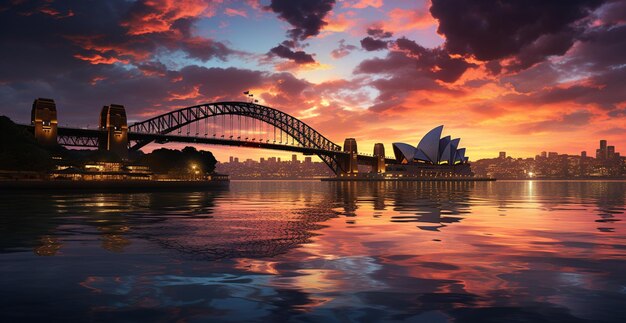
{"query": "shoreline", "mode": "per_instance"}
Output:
(107, 185)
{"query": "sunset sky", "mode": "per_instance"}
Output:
(517, 76)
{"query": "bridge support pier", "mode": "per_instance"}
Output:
(115, 139)
(349, 164)
(43, 117)
(378, 166)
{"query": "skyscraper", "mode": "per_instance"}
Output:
(602, 153)
(502, 155)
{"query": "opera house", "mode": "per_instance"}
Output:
(433, 156)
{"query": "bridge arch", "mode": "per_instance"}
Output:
(301, 132)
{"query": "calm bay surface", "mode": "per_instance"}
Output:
(536, 251)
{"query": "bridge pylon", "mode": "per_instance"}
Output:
(349, 163)
(378, 166)
(113, 121)
(43, 117)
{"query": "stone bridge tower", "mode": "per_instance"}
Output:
(379, 155)
(350, 163)
(115, 139)
(43, 117)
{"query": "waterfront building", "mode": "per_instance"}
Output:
(432, 157)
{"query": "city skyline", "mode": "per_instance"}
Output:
(607, 162)
(378, 71)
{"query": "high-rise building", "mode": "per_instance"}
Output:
(236, 159)
(544, 154)
(583, 154)
(552, 154)
(307, 160)
(502, 155)
(294, 158)
(261, 160)
(610, 152)
(602, 153)
(230, 159)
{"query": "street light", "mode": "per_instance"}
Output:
(194, 171)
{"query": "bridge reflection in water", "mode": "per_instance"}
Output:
(275, 251)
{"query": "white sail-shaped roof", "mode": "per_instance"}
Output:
(445, 154)
(460, 155)
(443, 143)
(403, 151)
(454, 143)
(449, 153)
(429, 145)
(419, 155)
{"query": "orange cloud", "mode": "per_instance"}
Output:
(55, 13)
(123, 52)
(408, 19)
(193, 93)
(98, 59)
(159, 15)
(340, 22)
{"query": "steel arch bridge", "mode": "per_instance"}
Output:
(249, 125)
(308, 139)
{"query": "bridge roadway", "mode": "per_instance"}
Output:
(79, 137)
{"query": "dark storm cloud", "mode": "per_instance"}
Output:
(375, 41)
(411, 57)
(371, 44)
(408, 67)
(493, 67)
(527, 30)
(89, 59)
(96, 32)
(306, 16)
(378, 32)
(598, 56)
(298, 56)
(436, 60)
(36, 46)
(601, 49)
(307, 19)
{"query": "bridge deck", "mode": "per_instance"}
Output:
(91, 136)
